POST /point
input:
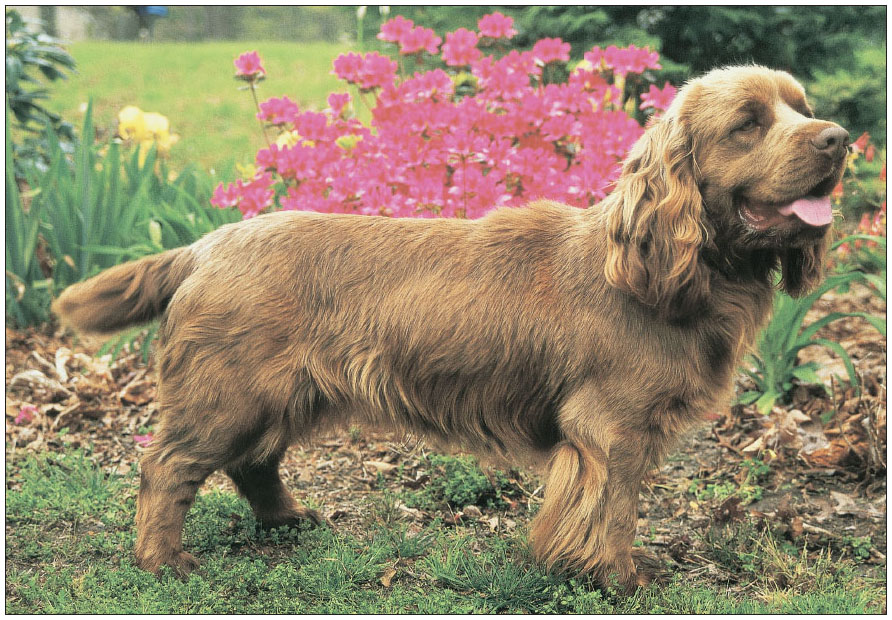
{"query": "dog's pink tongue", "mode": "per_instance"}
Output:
(812, 211)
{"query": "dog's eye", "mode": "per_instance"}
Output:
(748, 125)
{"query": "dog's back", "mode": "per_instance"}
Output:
(462, 331)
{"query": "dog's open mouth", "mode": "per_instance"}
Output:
(813, 209)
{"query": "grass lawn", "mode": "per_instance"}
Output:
(69, 549)
(192, 85)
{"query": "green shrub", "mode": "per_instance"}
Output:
(855, 95)
(458, 481)
(27, 294)
(29, 53)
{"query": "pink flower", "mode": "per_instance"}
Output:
(369, 72)
(419, 39)
(26, 414)
(428, 153)
(251, 198)
(496, 26)
(312, 125)
(225, 197)
(460, 48)
(550, 50)
(143, 441)
(256, 195)
(377, 71)
(337, 102)
(623, 60)
(278, 110)
(395, 29)
(248, 65)
(657, 98)
(347, 67)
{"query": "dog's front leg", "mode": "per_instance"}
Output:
(587, 521)
(629, 459)
(569, 531)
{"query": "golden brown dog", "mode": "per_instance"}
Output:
(584, 339)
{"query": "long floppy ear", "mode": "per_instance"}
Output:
(655, 230)
(802, 268)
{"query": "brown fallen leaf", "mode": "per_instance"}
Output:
(36, 380)
(387, 577)
(138, 392)
(380, 466)
(828, 456)
(796, 527)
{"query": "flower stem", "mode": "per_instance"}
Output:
(259, 120)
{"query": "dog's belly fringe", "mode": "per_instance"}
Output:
(477, 411)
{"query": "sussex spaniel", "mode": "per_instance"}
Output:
(587, 340)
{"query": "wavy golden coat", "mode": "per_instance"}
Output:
(585, 340)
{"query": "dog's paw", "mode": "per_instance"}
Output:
(648, 568)
(296, 517)
(181, 562)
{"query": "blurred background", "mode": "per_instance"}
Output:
(839, 52)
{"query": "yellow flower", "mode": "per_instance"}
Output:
(166, 141)
(131, 123)
(288, 139)
(144, 147)
(246, 171)
(348, 141)
(145, 129)
(583, 65)
(156, 124)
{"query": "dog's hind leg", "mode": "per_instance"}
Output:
(169, 480)
(262, 486)
(190, 444)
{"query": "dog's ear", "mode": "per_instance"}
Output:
(802, 268)
(655, 229)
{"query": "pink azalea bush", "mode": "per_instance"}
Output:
(474, 133)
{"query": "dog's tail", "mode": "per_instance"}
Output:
(125, 295)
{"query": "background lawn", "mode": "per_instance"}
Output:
(192, 85)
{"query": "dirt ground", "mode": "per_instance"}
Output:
(816, 482)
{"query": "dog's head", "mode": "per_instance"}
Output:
(738, 166)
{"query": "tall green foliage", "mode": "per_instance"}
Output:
(27, 297)
(854, 94)
(775, 365)
(92, 211)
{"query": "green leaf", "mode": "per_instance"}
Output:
(765, 402)
(748, 398)
(806, 373)
(813, 328)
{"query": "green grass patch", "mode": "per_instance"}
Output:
(458, 481)
(192, 85)
(69, 549)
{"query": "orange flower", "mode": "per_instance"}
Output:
(860, 144)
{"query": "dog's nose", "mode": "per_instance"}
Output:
(832, 141)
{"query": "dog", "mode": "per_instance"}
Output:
(587, 340)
